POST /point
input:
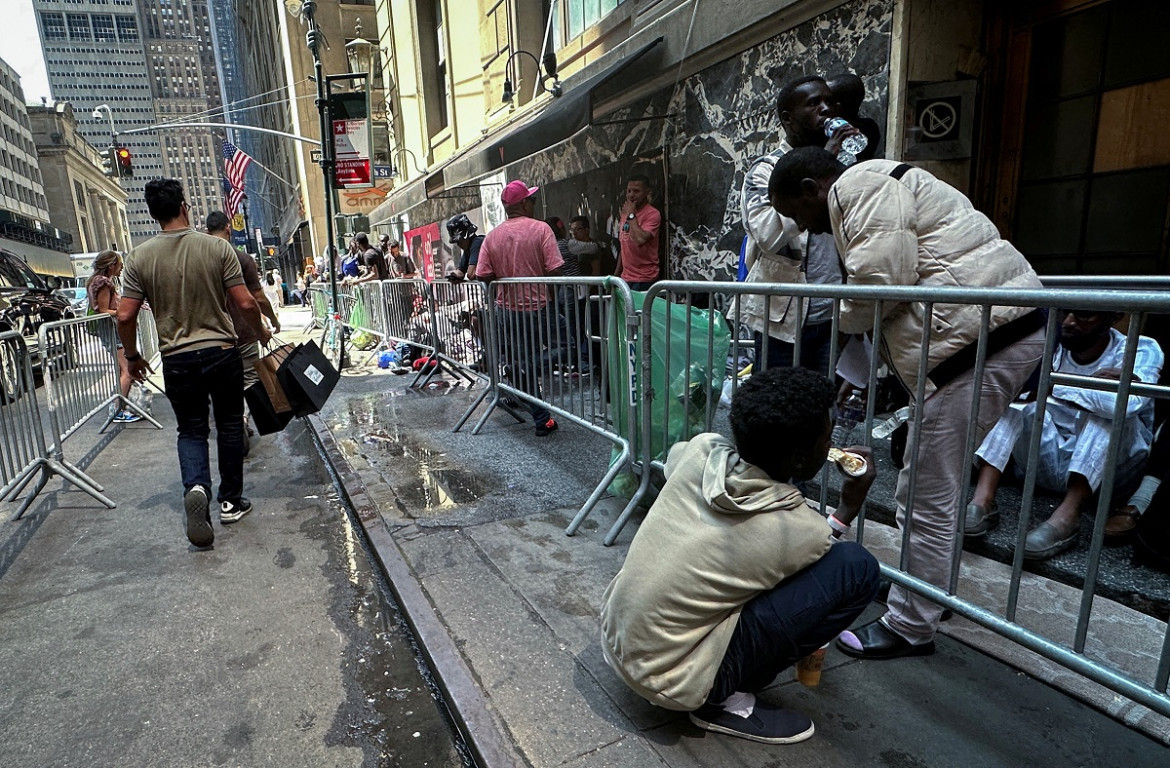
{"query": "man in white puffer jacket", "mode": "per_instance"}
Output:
(899, 225)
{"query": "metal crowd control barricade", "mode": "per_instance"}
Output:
(82, 375)
(1149, 689)
(407, 306)
(25, 455)
(318, 302)
(560, 357)
(456, 329)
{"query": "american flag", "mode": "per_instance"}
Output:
(235, 162)
(233, 197)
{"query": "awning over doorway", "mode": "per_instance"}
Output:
(559, 120)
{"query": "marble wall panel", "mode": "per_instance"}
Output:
(696, 140)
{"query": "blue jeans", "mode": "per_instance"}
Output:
(574, 325)
(779, 627)
(815, 345)
(522, 338)
(193, 380)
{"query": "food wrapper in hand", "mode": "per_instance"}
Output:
(854, 465)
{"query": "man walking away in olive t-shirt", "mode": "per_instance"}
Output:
(188, 277)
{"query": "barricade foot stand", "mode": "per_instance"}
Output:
(133, 408)
(77, 471)
(471, 409)
(500, 401)
(111, 405)
(617, 466)
(629, 509)
(45, 468)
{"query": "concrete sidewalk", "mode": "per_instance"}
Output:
(470, 529)
(120, 645)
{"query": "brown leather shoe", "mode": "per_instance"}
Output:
(1122, 522)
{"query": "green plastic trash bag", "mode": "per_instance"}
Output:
(686, 377)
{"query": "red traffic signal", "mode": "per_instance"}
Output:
(125, 162)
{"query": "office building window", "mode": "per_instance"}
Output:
(78, 26)
(580, 15)
(54, 25)
(103, 28)
(127, 29)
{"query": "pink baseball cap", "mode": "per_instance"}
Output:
(517, 191)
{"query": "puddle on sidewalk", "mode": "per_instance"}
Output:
(425, 480)
(438, 485)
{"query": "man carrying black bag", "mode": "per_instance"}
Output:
(188, 277)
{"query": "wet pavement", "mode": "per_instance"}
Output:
(120, 645)
(473, 527)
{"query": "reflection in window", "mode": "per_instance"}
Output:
(580, 15)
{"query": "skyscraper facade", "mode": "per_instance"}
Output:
(249, 45)
(94, 55)
(148, 61)
(180, 58)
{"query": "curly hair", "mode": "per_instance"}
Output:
(778, 413)
(784, 98)
(801, 163)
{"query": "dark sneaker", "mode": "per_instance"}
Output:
(767, 724)
(198, 510)
(546, 428)
(126, 417)
(230, 513)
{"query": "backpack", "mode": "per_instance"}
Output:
(349, 267)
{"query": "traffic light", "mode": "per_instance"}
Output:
(110, 161)
(125, 162)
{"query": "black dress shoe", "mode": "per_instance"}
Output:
(875, 641)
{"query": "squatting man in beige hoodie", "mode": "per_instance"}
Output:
(733, 577)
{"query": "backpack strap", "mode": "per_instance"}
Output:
(900, 171)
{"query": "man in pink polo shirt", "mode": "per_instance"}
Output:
(522, 246)
(638, 262)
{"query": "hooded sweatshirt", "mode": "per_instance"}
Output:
(721, 532)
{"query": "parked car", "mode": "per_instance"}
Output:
(78, 299)
(26, 301)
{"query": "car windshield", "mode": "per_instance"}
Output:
(76, 294)
(14, 273)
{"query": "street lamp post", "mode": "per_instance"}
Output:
(314, 39)
(97, 115)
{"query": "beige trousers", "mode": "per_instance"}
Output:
(939, 448)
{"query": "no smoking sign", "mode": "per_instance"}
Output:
(938, 118)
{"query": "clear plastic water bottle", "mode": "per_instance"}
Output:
(849, 416)
(850, 147)
(141, 396)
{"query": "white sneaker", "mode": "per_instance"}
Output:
(230, 513)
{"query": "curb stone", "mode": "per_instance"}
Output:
(477, 722)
